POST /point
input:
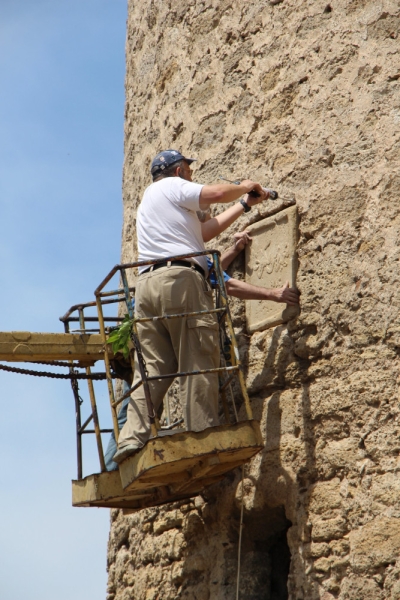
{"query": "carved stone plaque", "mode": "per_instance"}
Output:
(271, 261)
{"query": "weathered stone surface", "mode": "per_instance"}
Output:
(303, 96)
(365, 589)
(330, 529)
(375, 544)
(271, 261)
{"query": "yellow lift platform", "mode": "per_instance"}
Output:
(173, 465)
(171, 468)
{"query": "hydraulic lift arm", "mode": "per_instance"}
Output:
(21, 346)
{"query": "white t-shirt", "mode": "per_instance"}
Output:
(167, 224)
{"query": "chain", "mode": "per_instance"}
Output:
(54, 363)
(72, 375)
(75, 390)
(139, 354)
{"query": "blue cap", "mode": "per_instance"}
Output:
(166, 159)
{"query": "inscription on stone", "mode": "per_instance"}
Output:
(271, 261)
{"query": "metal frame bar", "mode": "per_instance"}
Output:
(223, 309)
(81, 429)
(93, 404)
(123, 294)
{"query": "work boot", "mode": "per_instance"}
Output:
(124, 453)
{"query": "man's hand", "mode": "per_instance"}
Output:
(224, 193)
(252, 186)
(286, 294)
(241, 240)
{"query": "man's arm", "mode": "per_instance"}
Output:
(240, 241)
(225, 192)
(247, 291)
(214, 226)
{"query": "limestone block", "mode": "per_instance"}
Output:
(323, 564)
(152, 594)
(376, 543)
(171, 520)
(324, 497)
(168, 546)
(356, 587)
(318, 549)
(327, 596)
(385, 490)
(330, 529)
(338, 455)
(270, 262)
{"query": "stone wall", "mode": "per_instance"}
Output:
(303, 95)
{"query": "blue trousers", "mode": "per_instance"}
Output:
(112, 445)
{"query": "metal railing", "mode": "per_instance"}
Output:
(76, 314)
(228, 371)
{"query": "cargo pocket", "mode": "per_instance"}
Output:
(203, 334)
(209, 300)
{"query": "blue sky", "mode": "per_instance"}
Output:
(61, 129)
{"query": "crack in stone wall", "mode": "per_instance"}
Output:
(304, 96)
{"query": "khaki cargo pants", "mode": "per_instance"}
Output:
(172, 345)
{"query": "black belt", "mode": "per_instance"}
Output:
(175, 263)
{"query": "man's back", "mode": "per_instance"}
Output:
(167, 224)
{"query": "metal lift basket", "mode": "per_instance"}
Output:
(173, 465)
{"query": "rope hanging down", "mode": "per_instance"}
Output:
(73, 375)
(240, 539)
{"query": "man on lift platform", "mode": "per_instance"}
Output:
(167, 225)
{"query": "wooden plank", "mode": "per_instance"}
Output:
(204, 467)
(175, 495)
(171, 468)
(201, 471)
(104, 489)
(149, 479)
(196, 486)
(147, 483)
(19, 346)
(184, 450)
(222, 468)
(97, 487)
